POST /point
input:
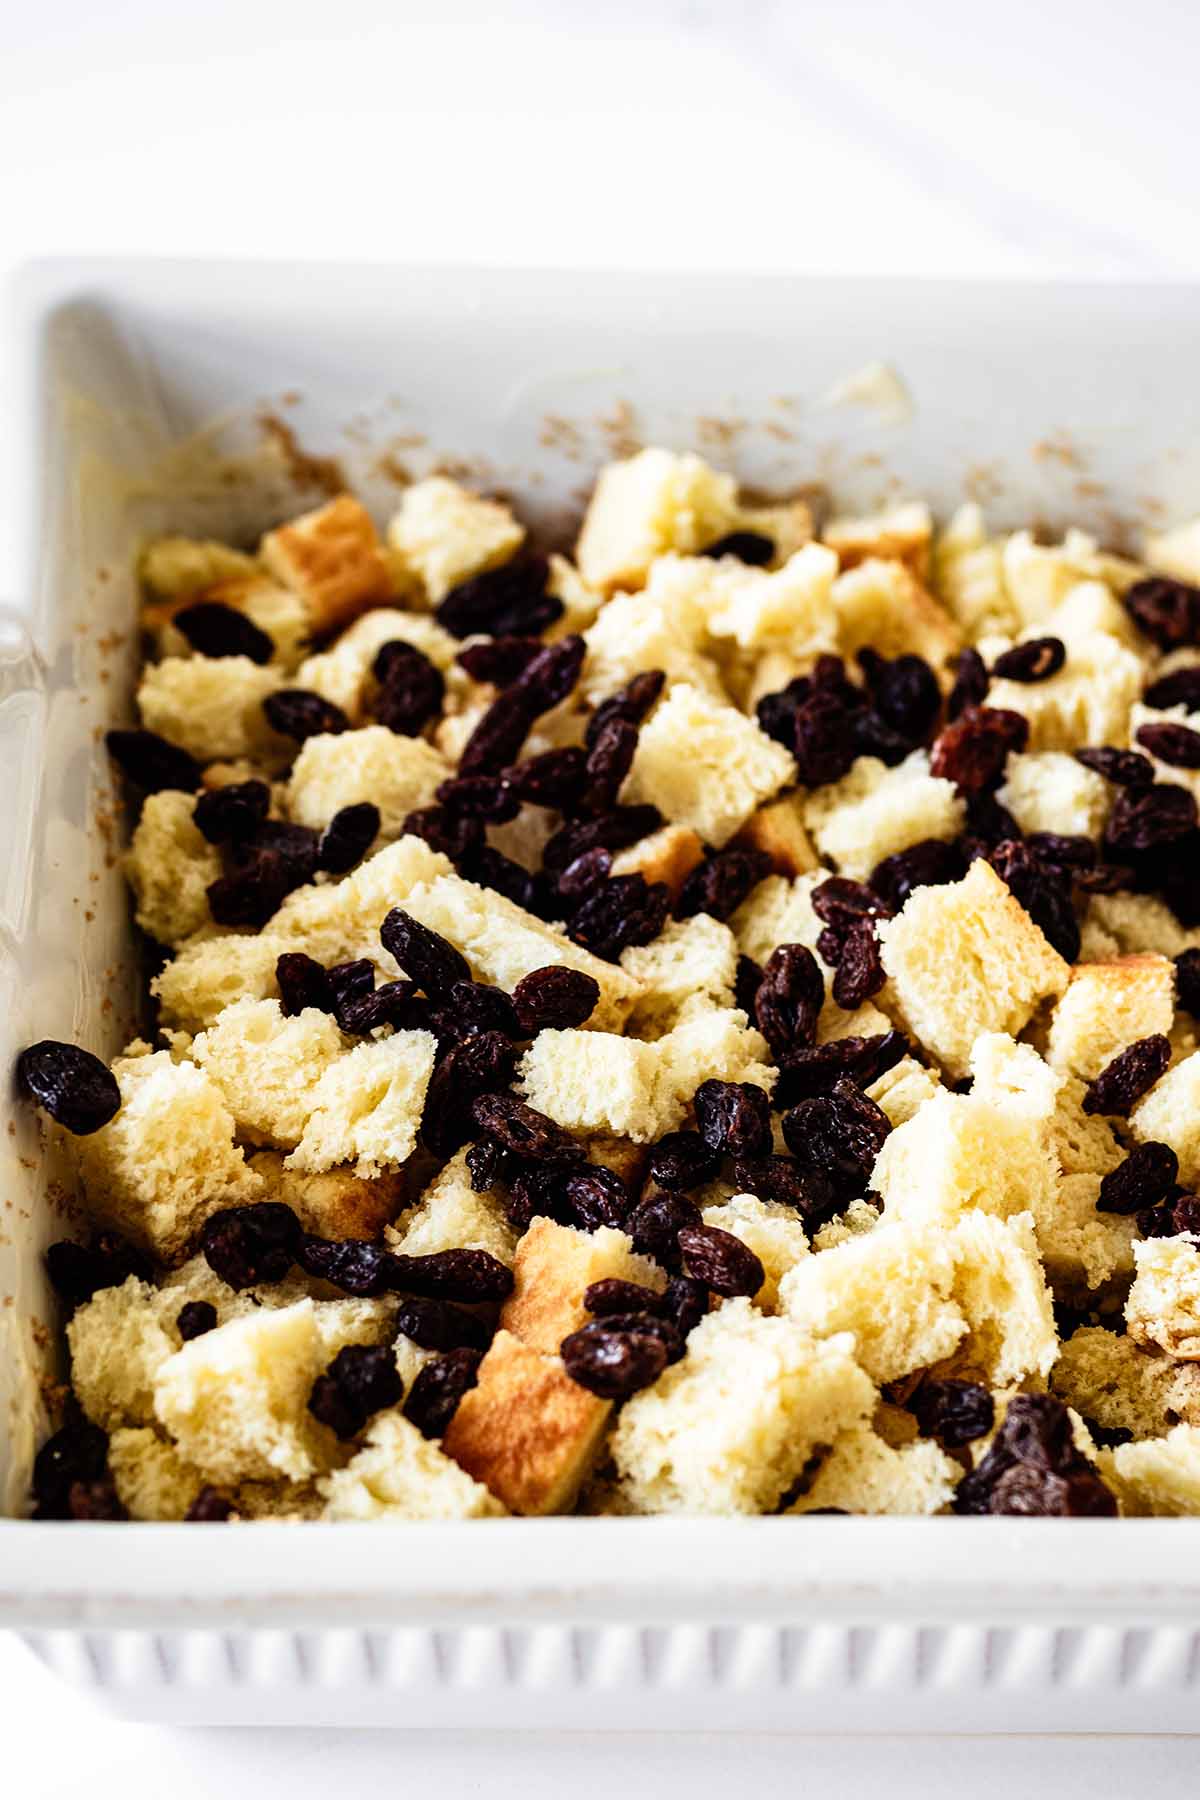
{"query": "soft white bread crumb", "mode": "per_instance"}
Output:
(788, 523)
(336, 1203)
(639, 509)
(859, 1218)
(526, 1430)
(180, 568)
(170, 866)
(1047, 790)
(399, 774)
(196, 986)
(338, 921)
(118, 1341)
(663, 627)
(1158, 1477)
(864, 1474)
(342, 673)
(902, 1090)
(881, 605)
(668, 855)
(594, 1081)
(1163, 1308)
(1127, 924)
(442, 533)
(553, 1267)
(731, 1427)
(778, 912)
(366, 1108)
(772, 1230)
(706, 765)
(1176, 552)
(1170, 1114)
(333, 559)
(968, 575)
(964, 959)
(901, 533)
(450, 1215)
(151, 1478)
(788, 609)
(1118, 1386)
(1086, 702)
(268, 1065)
(167, 1159)
(212, 707)
(399, 1474)
(1106, 1007)
(690, 960)
(874, 811)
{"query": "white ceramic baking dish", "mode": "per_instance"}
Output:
(142, 384)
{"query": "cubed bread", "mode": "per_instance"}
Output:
(196, 986)
(875, 811)
(862, 1473)
(968, 575)
(337, 1203)
(664, 627)
(902, 1090)
(212, 707)
(342, 672)
(1163, 1308)
(778, 830)
(771, 1229)
(788, 524)
(268, 1066)
(1170, 1114)
(882, 606)
(275, 610)
(594, 1081)
(399, 1474)
(1157, 1477)
(692, 961)
(450, 1215)
(730, 1428)
(788, 609)
(1176, 551)
(333, 559)
(554, 1264)
(654, 502)
(859, 1218)
(668, 856)
(706, 765)
(1086, 702)
(964, 959)
(180, 568)
(152, 1480)
(1128, 924)
(168, 1159)
(901, 533)
(118, 1341)
(1040, 578)
(1116, 1385)
(777, 912)
(1108, 1006)
(366, 1108)
(442, 533)
(527, 1431)
(1047, 790)
(399, 774)
(339, 921)
(170, 866)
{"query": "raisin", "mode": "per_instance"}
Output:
(487, 797)
(214, 629)
(302, 982)
(535, 1189)
(631, 703)
(1123, 1081)
(1185, 1213)
(905, 691)
(734, 1119)
(840, 902)
(350, 980)
(488, 1164)
(970, 684)
(551, 675)
(1062, 850)
(360, 1381)
(655, 1223)
(825, 741)
(1125, 768)
(227, 814)
(753, 547)
(436, 1325)
(776, 713)
(357, 1267)
(71, 1084)
(682, 1161)
(472, 1007)
(555, 778)
(500, 659)
(811, 1191)
(434, 1396)
(471, 1276)
(746, 982)
(953, 1412)
(195, 1318)
(498, 737)
(151, 763)
(1176, 744)
(1146, 1176)
(1045, 896)
(789, 998)
(584, 876)
(348, 836)
(615, 1296)
(77, 1271)
(254, 893)
(610, 1363)
(1036, 1441)
(685, 1303)
(608, 763)
(1180, 688)
(1187, 981)
(451, 833)
(625, 911)
(300, 713)
(79, 1452)
(614, 830)
(860, 969)
(873, 736)
(988, 822)
(930, 863)
(555, 999)
(394, 1003)
(595, 1197)
(425, 956)
(506, 602)
(411, 689)
(1033, 1493)
(489, 868)
(246, 1245)
(1167, 611)
(95, 1500)
(720, 1260)
(807, 1072)
(472, 1067)
(1034, 660)
(209, 1508)
(525, 1131)
(973, 750)
(719, 884)
(1105, 878)
(842, 1132)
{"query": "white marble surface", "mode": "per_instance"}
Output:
(851, 135)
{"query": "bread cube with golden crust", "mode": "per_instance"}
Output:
(333, 559)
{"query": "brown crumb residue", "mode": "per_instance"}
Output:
(618, 429)
(1058, 449)
(563, 436)
(324, 473)
(390, 468)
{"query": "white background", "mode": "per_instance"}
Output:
(848, 135)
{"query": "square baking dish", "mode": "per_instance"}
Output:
(193, 397)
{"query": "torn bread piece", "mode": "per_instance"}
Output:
(333, 559)
(442, 534)
(553, 1267)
